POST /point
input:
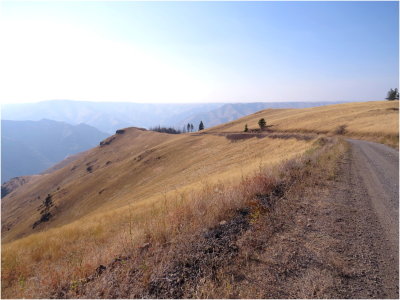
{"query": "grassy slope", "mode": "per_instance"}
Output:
(378, 120)
(143, 166)
(147, 170)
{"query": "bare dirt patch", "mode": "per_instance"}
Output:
(234, 137)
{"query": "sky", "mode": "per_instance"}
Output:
(198, 51)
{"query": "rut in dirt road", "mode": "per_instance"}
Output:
(371, 190)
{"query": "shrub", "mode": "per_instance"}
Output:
(169, 130)
(262, 123)
(45, 214)
(340, 129)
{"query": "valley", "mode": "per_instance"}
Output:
(32, 147)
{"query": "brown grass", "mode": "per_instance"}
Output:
(273, 259)
(177, 221)
(143, 166)
(277, 258)
(46, 261)
(376, 121)
(59, 257)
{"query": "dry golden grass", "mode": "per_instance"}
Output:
(138, 175)
(151, 199)
(274, 259)
(47, 261)
(151, 187)
(377, 120)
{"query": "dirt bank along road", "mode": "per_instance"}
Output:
(368, 194)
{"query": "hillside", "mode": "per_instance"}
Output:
(232, 111)
(376, 121)
(30, 147)
(135, 168)
(141, 189)
(14, 183)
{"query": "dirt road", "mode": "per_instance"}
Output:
(378, 166)
(367, 198)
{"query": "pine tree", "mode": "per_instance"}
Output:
(262, 123)
(191, 127)
(393, 94)
(188, 127)
(246, 128)
(201, 125)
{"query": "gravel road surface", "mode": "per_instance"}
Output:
(369, 191)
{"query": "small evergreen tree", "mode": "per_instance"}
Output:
(191, 127)
(201, 125)
(246, 128)
(188, 127)
(262, 123)
(393, 94)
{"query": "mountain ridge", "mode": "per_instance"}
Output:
(31, 147)
(110, 116)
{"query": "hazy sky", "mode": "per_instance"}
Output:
(198, 51)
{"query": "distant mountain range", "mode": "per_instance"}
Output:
(110, 116)
(106, 116)
(30, 147)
